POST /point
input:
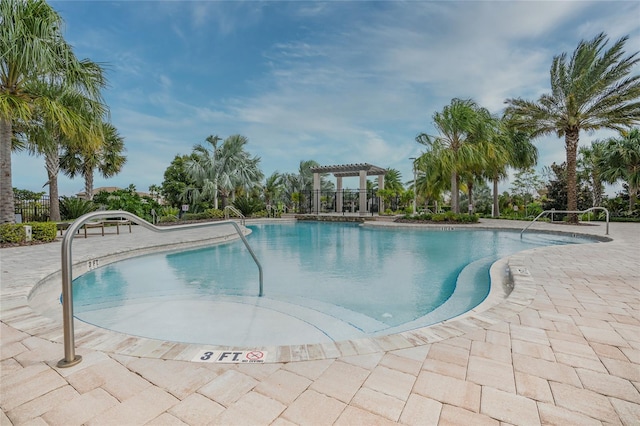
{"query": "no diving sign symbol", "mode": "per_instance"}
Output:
(230, 357)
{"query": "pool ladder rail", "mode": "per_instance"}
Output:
(552, 211)
(234, 211)
(70, 358)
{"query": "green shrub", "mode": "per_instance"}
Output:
(214, 213)
(12, 233)
(167, 219)
(43, 231)
(248, 206)
(73, 208)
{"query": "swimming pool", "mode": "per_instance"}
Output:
(322, 282)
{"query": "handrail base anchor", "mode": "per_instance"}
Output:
(63, 363)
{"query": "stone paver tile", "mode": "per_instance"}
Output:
(491, 351)
(529, 334)
(445, 368)
(569, 337)
(251, 409)
(196, 410)
(553, 415)
(314, 408)
(228, 387)
(4, 420)
(599, 335)
(508, 407)
(166, 419)
(450, 354)
(341, 381)
(573, 348)
(400, 363)
(448, 390)
(367, 361)
(111, 376)
(460, 342)
(623, 369)
(139, 409)
(420, 411)
(391, 382)
(608, 385)
(632, 355)
(80, 409)
(583, 401)
(379, 403)
(456, 416)
(283, 386)
(38, 421)
(28, 384)
(492, 373)
(9, 366)
(258, 371)
(629, 413)
(309, 369)
(545, 369)
(608, 351)
(38, 406)
(581, 362)
(533, 387)
(12, 349)
(418, 353)
(282, 422)
(498, 338)
(356, 416)
(533, 350)
(178, 377)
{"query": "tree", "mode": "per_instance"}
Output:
(591, 90)
(221, 170)
(44, 134)
(460, 124)
(557, 189)
(106, 157)
(177, 180)
(33, 50)
(621, 161)
(525, 184)
(589, 161)
(508, 148)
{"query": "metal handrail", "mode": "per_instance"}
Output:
(546, 212)
(70, 358)
(234, 210)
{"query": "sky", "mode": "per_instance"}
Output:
(338, 82)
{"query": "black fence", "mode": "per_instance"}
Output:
(328, 202)
(32, 210)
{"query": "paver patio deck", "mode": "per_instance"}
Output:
(564, 348)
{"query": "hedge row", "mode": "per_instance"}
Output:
(40, 231)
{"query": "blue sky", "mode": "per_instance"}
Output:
(336, 82)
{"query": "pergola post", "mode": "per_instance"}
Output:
(316, 193)
(339, 195)
(363, 192)
(381, 199)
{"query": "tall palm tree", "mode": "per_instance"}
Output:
(45, 136)
(589, 160)
(272, 188)
(221, 170)
(508, 148)
(621, 161)
(33, 49)
(83, 160)
(591, 90)
(460, 125)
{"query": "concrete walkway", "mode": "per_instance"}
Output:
(563, 348)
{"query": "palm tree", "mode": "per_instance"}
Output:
(621, 161)
(221, 170)
(45, 136)
(272, 188)
(508, 148)
(591, 90)
(107, 158)
(589, 161)
(461, 124)
(33, 50)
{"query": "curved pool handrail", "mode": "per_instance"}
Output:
(546, 212)
(234, 211)
(70, 358)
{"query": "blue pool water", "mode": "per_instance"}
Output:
(362, 280)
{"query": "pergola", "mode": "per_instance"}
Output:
(348, 170)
